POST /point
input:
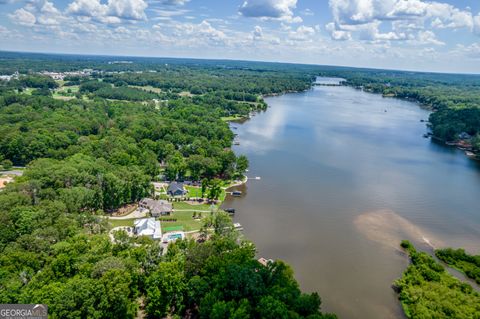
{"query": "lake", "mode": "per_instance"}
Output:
(345, 175)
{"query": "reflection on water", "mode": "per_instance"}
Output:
(345, 175)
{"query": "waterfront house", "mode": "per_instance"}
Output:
(148, 227)
(156, 207)
(464, 136)
(176, 189)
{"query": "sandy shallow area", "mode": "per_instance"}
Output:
(388, 228)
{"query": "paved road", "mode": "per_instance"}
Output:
(12, 172)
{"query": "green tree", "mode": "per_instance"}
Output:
(6, 164)
(165, 290)
(242, 164)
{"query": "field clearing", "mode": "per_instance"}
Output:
(121, 222)
(232, 118)
(66, 92)
(192, 208)
(184, 221)
(147, 88)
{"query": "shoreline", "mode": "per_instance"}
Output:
(430, 108)
(238, 183)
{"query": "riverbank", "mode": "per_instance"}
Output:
(313, 188)
(462, 144)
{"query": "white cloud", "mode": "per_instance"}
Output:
(22, 17)
(308, 12)
(428, 37)
(127, 9)
(476, 24)
(112, 12)
(471, 51)
(257, 33)
(191, 34)
(172, 2)
(270, 9)
(302, 33)
(88, 8)
(364, 18)
(339, 35)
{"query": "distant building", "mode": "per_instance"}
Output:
(156, 207)
(54, 75)
(176, 189)
(464, 136)
(148, 227)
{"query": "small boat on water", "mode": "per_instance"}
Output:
(230, 211)
(238, 226)
(237, 193)
(236, 143)
(470, 154)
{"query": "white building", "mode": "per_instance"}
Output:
(148, 227)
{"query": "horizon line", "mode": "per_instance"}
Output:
(237, 60)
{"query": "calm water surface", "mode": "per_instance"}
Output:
(345, 175)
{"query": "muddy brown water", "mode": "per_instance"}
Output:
(345, 175)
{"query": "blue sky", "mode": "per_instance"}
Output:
(441, 35)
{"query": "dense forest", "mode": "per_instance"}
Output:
(459, 259)
(454, 98)
(427, 290)
(94, 143)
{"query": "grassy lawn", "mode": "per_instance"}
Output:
(63, 94)
(184, 220)
(197, 191)
(147, 88)
(28, 91)
(183, 205)
(121, 222)
(194, 191)
(232, 118)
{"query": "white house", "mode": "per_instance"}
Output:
(148, 227)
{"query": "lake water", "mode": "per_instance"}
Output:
(345, 175)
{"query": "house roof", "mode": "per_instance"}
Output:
(157, 205)
(175, 186)
(148, 227)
